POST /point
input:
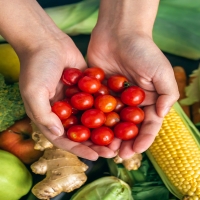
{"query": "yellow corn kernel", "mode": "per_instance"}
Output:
(175, 154)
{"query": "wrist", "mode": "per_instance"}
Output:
(133, 16)
(26, 27)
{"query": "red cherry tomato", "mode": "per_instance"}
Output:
(72, 90)
(102, 136)
(89, 84)
(71, 76)
(120, 105)
(78, 133)
(112, 118)
(105, 103)
(93, 118)
(125, 130)
(132, 114)
(72, 120)
(117, 83)
(133, 96)
(102, 90)
(82, 101)
(62, 109)
(95, 72)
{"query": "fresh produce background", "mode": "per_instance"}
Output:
(176, 33)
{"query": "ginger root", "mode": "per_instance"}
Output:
(64, 171)
(132, 163)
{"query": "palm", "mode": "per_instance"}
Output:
(144, 65)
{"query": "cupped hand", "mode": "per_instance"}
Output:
(136, 56)
(42, 65)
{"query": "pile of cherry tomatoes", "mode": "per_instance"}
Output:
(97, 109)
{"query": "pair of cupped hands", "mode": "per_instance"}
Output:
(133, 55)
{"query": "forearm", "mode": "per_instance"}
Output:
(23, 23)
(134, 15)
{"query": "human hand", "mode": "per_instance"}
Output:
(138, 58)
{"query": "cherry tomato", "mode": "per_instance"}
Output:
(132, 114)
(112, 118)
(82, 101)
(102, 136)
(71, 90)
(71, 76)
(72, 120)
(105, 103)
(133, 96)
(89, 84)
(78, 133)
(74, 110)
(117, 83)
(102, 90)
(93, 118)
(120, 105)
(95, 72)
(125, 130)
(62, 109)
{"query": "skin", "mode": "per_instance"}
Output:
(45, 51)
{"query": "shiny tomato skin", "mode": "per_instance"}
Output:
(82, 101)
(132, 114)
(70, 121)
(95, 72)
(78, 133)
(120, 105)
(112, 118)
(72, 90)
(125, 130)
(89, 84)
(105, 103)
(71, 76)
(117, 83)
(133, 96)
(62, 109)
(74, 110)
(102, 136)
(102, 91)
(93, 118)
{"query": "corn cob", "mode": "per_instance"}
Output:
(175, 154)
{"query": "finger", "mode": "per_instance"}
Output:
(38, 109)
(148, 130)
(166, 87)
(126, 149)
(150, 98)
(115, 144)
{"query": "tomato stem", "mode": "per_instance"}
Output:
(126, 84)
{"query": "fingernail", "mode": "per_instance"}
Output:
(55, 131)
(165, 111)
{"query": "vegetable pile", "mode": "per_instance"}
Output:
(99, 109)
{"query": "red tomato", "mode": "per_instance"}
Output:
(82, 101)
(117, 83)
(72, 120)
(72, 90)
(102, 90)
(132, 114)
(119, 105)
(78, 133)
(89, 84)
(62, 109)
(93, 118)
(102, 136)
(74, 110)
(95, 72)
(112, 118)
(133, 96)
(71, 76)
(105, 103)
(125, 130)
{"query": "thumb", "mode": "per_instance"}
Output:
(167, 89)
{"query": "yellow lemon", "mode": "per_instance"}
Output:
(9, 63)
